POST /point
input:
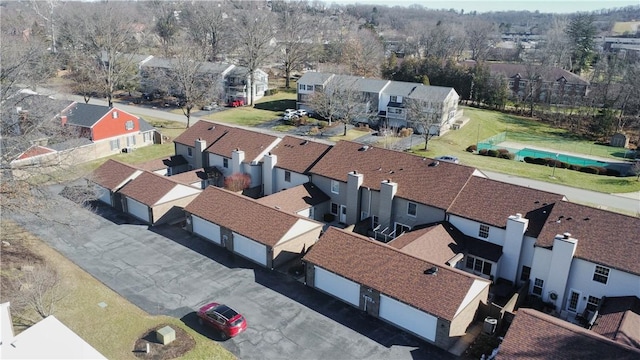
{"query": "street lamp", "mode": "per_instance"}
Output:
(553, 173)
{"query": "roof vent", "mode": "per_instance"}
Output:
(586, 219)
(434, 163)
(211, 128)
(364, 148)
(566, 235)
(305, 142)
(431, 271)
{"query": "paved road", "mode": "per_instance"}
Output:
(627, 203)
(165, 270)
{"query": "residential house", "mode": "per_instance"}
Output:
(436, 303)
(110, 129)
(109, 178)
(288, 163)
(393, 191)
(49, 338)
(227, 82)
(305, 200)
(260, 233)
(230, 150)
(387, 100)
(509, 227)
(156, 199)
(535, 335)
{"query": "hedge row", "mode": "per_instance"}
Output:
(598, 170)
(500, 153)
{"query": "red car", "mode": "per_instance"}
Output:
(222, 318)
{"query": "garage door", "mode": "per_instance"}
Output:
(138, 209)
(206, 229)
(104, 195)
(250, 249)
(337, 286)
(409, 318)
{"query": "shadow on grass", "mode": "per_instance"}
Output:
(276, 105)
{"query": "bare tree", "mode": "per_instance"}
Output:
(296, 38)
(363, 53)
(38, 289)
(422, 117)
(106, 35)
(206, 27)
(557, 46)
(480, 34)
(255, 39)
(166, 23)
(46, 11)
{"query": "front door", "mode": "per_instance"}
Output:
(573, 301)
(343, 214)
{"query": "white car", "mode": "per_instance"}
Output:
(290, 114)
(448, 158)
(302, 112)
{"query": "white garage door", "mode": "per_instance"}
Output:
(337, 286)
(250, 249)
(138, 209)
(206, 229)
(409, 318)
(104, 195)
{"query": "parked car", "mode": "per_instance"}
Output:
(222, 318)
(290, 114)
(209, 107)
(302, 112)
(448, 158)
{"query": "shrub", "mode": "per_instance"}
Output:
(589, 169)
(507, 155)
(529, 159)
(270, 92)
(328, 217)
(503, 151)
(539, 161)
(613, 172)
(322, 124)
(471, 148)
(406, 132)
(575, 167)
(483, 152)
(314, 130)
(493, 153)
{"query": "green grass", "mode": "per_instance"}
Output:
(266, 109)
(484, 124)
(113, 330)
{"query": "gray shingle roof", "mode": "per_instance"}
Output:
(392, 272)
(314, 78)
(86, 115)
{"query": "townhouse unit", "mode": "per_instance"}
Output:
(535, 335)
(226, 82)
(386, 103)
(109, 178)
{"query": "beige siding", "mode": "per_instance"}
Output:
(288, 250)
(172, 210)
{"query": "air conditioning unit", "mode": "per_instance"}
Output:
(490, 325)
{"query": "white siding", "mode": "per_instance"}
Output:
(296, 179)
(408, 317)
(138, 209)
(250, 249)
(472, 228)
(104, 195)
(178, 192)
(300, 227)
(336, 285)
(206, 229)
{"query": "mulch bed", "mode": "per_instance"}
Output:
(180, 346)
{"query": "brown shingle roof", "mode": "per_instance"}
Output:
(112, 173)
(243, 215)
(604, 237)
(148, 188)
(548, 74)
(435, 186)
(298, 155)
(162, 163)
(392, 272)
(534, 335)
(189, 177)
(433, 244)
(619, 320)
(296, 198)
(492, 202)
(205, 130)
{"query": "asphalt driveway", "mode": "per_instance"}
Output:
(165, 270)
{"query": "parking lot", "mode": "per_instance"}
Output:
(165, 270)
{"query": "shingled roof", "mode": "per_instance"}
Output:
(619, 320)
(243, 215)
(111, 174)
(149, 188)
(604, 237)
(435, 186)
(298, 155)
(223, 140)
(85, 115)
(392, 272)
(432, 243)
(492, 202)
(296, 198)
(535, 335)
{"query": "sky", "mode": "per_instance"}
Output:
(544, 6)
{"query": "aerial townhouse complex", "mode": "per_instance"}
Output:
(428, 246)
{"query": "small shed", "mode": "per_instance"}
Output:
(619, 140)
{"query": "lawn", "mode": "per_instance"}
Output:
(112, 330)
(266, 109)
(484, 124)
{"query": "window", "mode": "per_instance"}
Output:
(393, 99)
(310, 87)
(301, 86)
(128, 125)
(484, 231)
(225, 163)
(189, 152)
(131, 140)
(537, 286)
(335, 187)
(115, 144)
(375, 221)
(401, 228)
(478, 265)
(526, 272)
(592, 303)
(146, 136)
(412, 209)
(334, 208)
(601, 274)
(287, 176)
